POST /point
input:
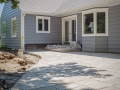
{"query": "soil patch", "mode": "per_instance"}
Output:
(12, 67)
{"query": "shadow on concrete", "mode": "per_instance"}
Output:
(44, 77)
(7, 79)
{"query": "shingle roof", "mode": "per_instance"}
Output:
(54, 6)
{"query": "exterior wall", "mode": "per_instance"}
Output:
(31, 37)
(101, 44)
(88, 44)
(114, 29)
(95, 43)
(7, 16)
(79, 28)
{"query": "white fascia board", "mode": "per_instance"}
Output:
(68, 17)
(37, 13)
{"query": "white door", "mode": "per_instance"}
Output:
(69, 29)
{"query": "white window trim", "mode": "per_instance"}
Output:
(4, 35)
(14, 18)
(94, 11)
(42, 17)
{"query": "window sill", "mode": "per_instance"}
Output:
(43, 32)
(86, 35)
(14, 36)
(3, 37)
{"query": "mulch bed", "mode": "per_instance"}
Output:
(12, 68)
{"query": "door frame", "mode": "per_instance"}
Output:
(63, 26)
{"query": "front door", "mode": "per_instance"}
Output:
(70, 30)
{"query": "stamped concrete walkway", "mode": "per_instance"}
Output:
(73, 71)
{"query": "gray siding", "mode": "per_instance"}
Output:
(114, 29)
(101, 44)
(31, 37)
(7, 15)
(79, 28)
(88, 44)
(95, 43)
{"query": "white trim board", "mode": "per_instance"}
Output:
(22, 31)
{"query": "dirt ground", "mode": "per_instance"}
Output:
(12, 68)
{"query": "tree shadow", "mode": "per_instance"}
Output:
(54, 75)
(68, 69)
(8, 79)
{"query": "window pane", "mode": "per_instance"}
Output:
(39, 24)
(88, 24)
(66, 30)
(45, 25)
(4, 28)
(101, 22)
(73, 30)
(14, 27)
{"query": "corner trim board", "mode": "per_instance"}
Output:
(22, 31)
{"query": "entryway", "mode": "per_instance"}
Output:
(69, 29)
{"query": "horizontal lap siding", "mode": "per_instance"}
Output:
(88, 43)
(114, 29)
(79, 28)
(101, 44)
(7, 15)
(31, 37)
(95, 43)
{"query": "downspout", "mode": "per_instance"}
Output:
(22, 31)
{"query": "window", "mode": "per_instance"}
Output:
(4, 29)
(45, 25)
(95, 22)
(101, 22)
(13, 27)
(88, 24)
(42, 24)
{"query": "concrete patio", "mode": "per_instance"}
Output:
(73, 71)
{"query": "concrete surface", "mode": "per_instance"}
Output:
(73, 71)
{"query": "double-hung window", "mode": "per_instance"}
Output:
(95, 22)
(13, 28)
(42, 24)
(4, 29)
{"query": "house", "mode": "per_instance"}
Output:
(95, 24)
